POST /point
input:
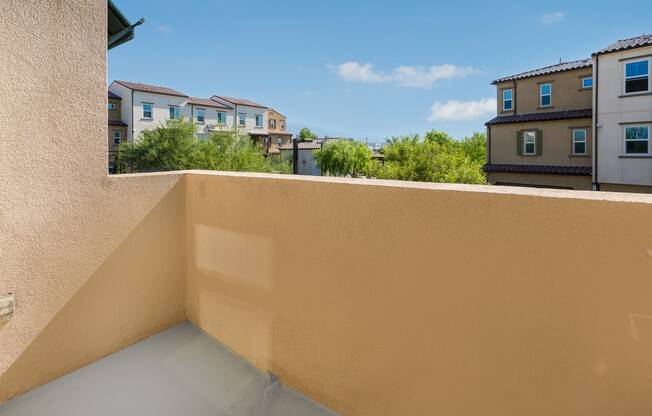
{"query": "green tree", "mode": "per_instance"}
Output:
(344, 157)
(306, 134)
(170, 147)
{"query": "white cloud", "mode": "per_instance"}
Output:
(550, 18)
(462, 110)
(404, 76)
(164, 28)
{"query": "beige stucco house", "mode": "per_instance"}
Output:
(542, 135)
(278, 135)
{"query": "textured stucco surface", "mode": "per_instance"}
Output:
(61, 216)
(388, 299)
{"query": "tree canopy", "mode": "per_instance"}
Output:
(306, 134)
(343, 157)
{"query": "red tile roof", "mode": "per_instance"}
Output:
(553, 69)
(624, 44)
(547, 116)
(237, 101)
(539, 169)
(114, 96)
(207, 103)
(153, 89)
(117, 123)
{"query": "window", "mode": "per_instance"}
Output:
(175, 113)
(259, 120)
(279, 141)
(111, 106)
(637, 140)
(117, 137)
(148, 110)
(637, 76)
(579, 141)
(241, 119)
(545, 95)
(587, 82)
(221, 117)
(272, 124)
(529, 143)
(282, 124)
(201, 115)
(507, 100)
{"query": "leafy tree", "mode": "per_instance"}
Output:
(306, 134)
(344, 157)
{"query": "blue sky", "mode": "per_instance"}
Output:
(364, 69)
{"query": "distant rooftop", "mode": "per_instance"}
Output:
(542, 116)
(552, 69)
(624, 44)
(114, 96)
(237, 101)
(137, 86)
(206, 102)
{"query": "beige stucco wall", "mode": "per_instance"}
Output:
(557, 140)
(466, 301)
(61, 217)
(566, 92)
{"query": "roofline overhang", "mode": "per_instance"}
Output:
(126, 33)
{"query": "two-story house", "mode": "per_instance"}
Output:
(276, 127)
(623, 116)
(249, 117)
(542, 136)
(117, 128)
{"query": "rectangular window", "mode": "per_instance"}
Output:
(272, 124)
(259, 120)
(507, 100)
(175, 113)
(587, 82)
(530, 143)
(282, 124)
(637, 140)
(111, 106)
(201, 115)
(279, 141)
(117, 137)
(545, 95)
(579, 141)
(221, 117)
(148, 110)
(637, 76)
(241, 119)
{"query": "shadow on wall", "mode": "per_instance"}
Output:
(138, 291)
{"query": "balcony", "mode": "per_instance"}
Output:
(180, 292)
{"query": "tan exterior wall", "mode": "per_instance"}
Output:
(617, 187)
(62, 219)
(116, 113)
(582, 183)
(557, 142)
(566, 92)
(466, 301)
(280, 120)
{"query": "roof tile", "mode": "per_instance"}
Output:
(237, 101)
(540, 169)
(561, 67)
(547, 116)
(624, 44)
(153, 89)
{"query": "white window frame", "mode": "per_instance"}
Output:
(221, 118)
(533, 142)
(203, 115)
(262, 121)
(585, 141)
(634, 126)
(177, 110)
(541, 94)
(625, 78)
(111, 106)
(584, 86)
(282, 125)
(151, 111)
(272, 124)
(511, 100)
(117, 136)
(242, 119)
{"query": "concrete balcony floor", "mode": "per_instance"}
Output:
(180, 371)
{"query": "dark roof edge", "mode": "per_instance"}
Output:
(520, 76)
(180, 94)
(541, 117)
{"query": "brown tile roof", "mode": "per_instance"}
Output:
(624, 44)
(207, 103)
(313, 145)
(553, 69)
(237, 101)
(539, 169)
(153, 89)
(548, 116)
(117, 123)
(114, 96)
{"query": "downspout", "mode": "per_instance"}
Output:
(515, 97)
(596, 184)
(488, 145)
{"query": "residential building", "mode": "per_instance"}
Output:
(117, 128)
(208, 115)
(623, 116)
(276, 127)
(304, 162)
(542, 134)
(249, 117)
